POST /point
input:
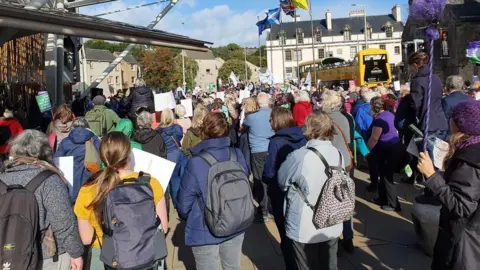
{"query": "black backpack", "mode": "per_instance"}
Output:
(20, 238)
(132, 238)
(5, 135)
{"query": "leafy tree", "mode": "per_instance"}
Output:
(237, 66)
(137, 51)
(233, 47)
(159, 69)
(191, 70)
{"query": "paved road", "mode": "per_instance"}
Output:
(383, 240)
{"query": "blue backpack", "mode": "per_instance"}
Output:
(132, 238)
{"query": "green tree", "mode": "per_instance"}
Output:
(191, 70)
(237, 66)
(137, 51)
(159, 69)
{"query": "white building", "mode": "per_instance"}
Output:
(342, 37)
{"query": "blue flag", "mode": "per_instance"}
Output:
(262, 25)
(273, 16)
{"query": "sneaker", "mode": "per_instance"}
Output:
(387, 208)
(348, 246)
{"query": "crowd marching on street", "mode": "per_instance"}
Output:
(285, 153)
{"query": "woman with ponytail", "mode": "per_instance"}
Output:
(458, 190)
(115, 154)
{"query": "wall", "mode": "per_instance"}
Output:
(129, 72)
(204, 78)
(95, 69)
(335, 44)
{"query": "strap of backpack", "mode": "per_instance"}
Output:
(233, 155)
(328, 168)
(208, 158)
(38, 180)
(304, 198)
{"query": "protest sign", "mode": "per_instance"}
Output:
(440, 151)
(157, 167)
(43, 101)
(65, 165)
(164, 101)
(243, 94)
(187, 103)
(221, 95)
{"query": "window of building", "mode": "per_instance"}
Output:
(117, 80)
(288, 70)
(208, 70)
(297, 55)
(299, 36)
(133, 80)
(283, 37)
(91, 79)
(369, 31)
(110, 80)
(132, 67)
(347, 32)
(397, 49)
(90, 64)
(288, 55)
(383, 47)
(339, 51)
(353, 52)
(318, 35)
(321, 53)
(117, 67)
(389, 29)
(364, 47)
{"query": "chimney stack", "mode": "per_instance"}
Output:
(397, 14)
(328, 19)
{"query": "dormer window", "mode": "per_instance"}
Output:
(347, 32)
(318, 35)
(282, 37)
(389, 29)
(299, 36)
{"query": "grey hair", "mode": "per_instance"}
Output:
(32, 143)
(332, 102)
(80, 122)
(144, 120)
(140, 82)
(454, 83)
(263, 100)
(368, 96)
(303, 96)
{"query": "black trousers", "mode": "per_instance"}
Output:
(259, 187)
(386, 158)
(321, 256)
(372, 160)
(276, 197)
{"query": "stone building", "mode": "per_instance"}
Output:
(459, 25)
(130, 71)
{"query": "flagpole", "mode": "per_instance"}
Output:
(246, 74)
(271, 49)
(281, 37)
(259, 48)
(313, 45)
(296, 48)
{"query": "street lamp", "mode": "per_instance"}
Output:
(365, 30)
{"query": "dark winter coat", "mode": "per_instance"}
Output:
(194, 188)
(151, 141)
(74, 145)
(141, 97)
(458, 241)
(451, 100)
(281, 145)
(419, 90)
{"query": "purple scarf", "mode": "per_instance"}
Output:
(471, 141)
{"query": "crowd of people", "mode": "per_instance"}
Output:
(285, 140)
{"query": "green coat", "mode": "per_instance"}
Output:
(191, 139)
(126, 127)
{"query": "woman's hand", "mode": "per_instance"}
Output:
(425, 165)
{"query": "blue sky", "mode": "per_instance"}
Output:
(226, 21)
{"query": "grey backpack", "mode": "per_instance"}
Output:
(132, 238)
(229, 207)
(336, 201)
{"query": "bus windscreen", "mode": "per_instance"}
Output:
(375, 68)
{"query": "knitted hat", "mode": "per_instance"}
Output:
(99, 100)
(465, 115)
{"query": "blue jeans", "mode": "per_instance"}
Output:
(348, 229)
(229, 253)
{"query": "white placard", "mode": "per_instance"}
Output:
(164, 101)
(396, 85)
(187, 103)
(440, 151)
(221, 95)
(65, 165)
(157, 167)
(243, 94)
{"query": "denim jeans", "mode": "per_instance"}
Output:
(228, 253)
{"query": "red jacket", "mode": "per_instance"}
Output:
(300, 112)
(15, 129)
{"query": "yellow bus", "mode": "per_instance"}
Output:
(370, 68)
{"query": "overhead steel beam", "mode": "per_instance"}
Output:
(84, 3)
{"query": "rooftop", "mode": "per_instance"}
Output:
(99, 55)
(128, 58)
(208, 55)
(357, 25)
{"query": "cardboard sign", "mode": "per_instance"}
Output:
(65, 165)
(164, 101)
(157, 167)
(187, 103)
(43, 101)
